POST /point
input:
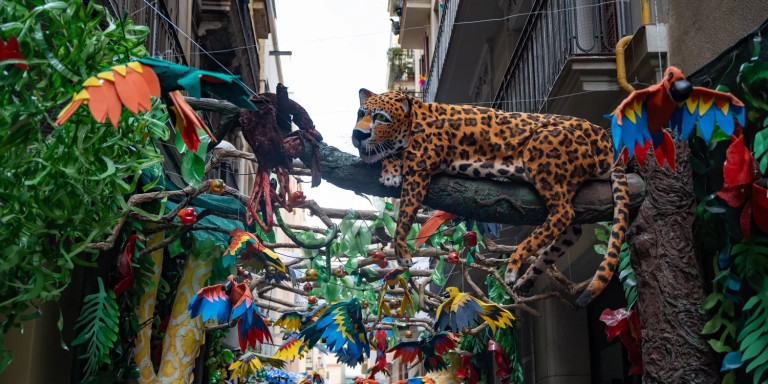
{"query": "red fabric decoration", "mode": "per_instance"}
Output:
(124, 266)
(626, 325)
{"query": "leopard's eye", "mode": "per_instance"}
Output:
(381, 117)
(360, 114)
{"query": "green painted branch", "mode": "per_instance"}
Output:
(480, 199)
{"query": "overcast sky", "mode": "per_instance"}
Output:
(339, 46)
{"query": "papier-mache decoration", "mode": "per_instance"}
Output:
(462, 311)
(250, 249)
(342, 328)
(626, 325)
(637, 124)
(392, 279)
(428, 349)
(132, 84)
(741, 187)
(417, 380)
(229, 302)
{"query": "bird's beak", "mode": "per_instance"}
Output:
(445, 294)
(680, 90)
(227, 286)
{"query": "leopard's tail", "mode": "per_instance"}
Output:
(620, 223)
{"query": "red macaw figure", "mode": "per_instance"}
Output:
(638, 121)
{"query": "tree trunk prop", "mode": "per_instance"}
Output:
(670, 285)
(504, 202)
(184, 335)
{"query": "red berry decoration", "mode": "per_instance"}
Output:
(452, 257)
(312, 274)
(187, 216)
(470, 238)
(308, 287)
(379, 255)
(216, 186)
(382, 264)
(296, 199)
(339, 272)
(311, 300)
(408, 334)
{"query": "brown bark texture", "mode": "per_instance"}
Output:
(670, 285)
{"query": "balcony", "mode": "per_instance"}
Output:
(564, 61)
(444, 32)
(414, 21)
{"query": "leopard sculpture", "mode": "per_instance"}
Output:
(557, 154)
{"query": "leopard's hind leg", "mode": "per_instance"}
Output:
(558, 161)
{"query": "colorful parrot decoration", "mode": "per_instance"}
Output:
(296, 321)
(250, 363)
(253, 253)
(342, 328)
(291, 349)
(380, 341)
(428, 349)
(443, 217)
(313, 377)
(467, 371)
(416, 380)
(391, 280)
(229, 302)
(132, 84)
(637, 123)
(462, 311)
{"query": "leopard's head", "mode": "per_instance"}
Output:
(383, 124)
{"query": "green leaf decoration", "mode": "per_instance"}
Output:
(753, 338)
(438, 277)
(192, 169)
(98, 325)
(751, 260)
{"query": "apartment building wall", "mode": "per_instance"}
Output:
(700, 29)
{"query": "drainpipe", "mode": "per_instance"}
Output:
(645, 11)
(621, 69)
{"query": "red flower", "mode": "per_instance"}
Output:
(626, 325)
(739, 173)
(10, 51)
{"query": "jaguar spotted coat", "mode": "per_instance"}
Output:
(557, 154)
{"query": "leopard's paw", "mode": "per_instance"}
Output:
(391, 180)
(510, 276)
(523, 286)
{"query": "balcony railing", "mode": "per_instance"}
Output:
(441, 48)
(163, 39)
(556, 31)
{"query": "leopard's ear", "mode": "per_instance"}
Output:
(406, 104)
(364, 94)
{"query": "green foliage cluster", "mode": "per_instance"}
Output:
(62, 188)
(625, 272)
(737, 306)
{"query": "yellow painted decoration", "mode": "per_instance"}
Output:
(725, 108)
(184, 336)
(82, 95)
(638, 108)
(629, 113)
(691, 104)
(705, 105)
(121, 69)
(92, 82)
(142, 351)
(106, 76)
(136, 66)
